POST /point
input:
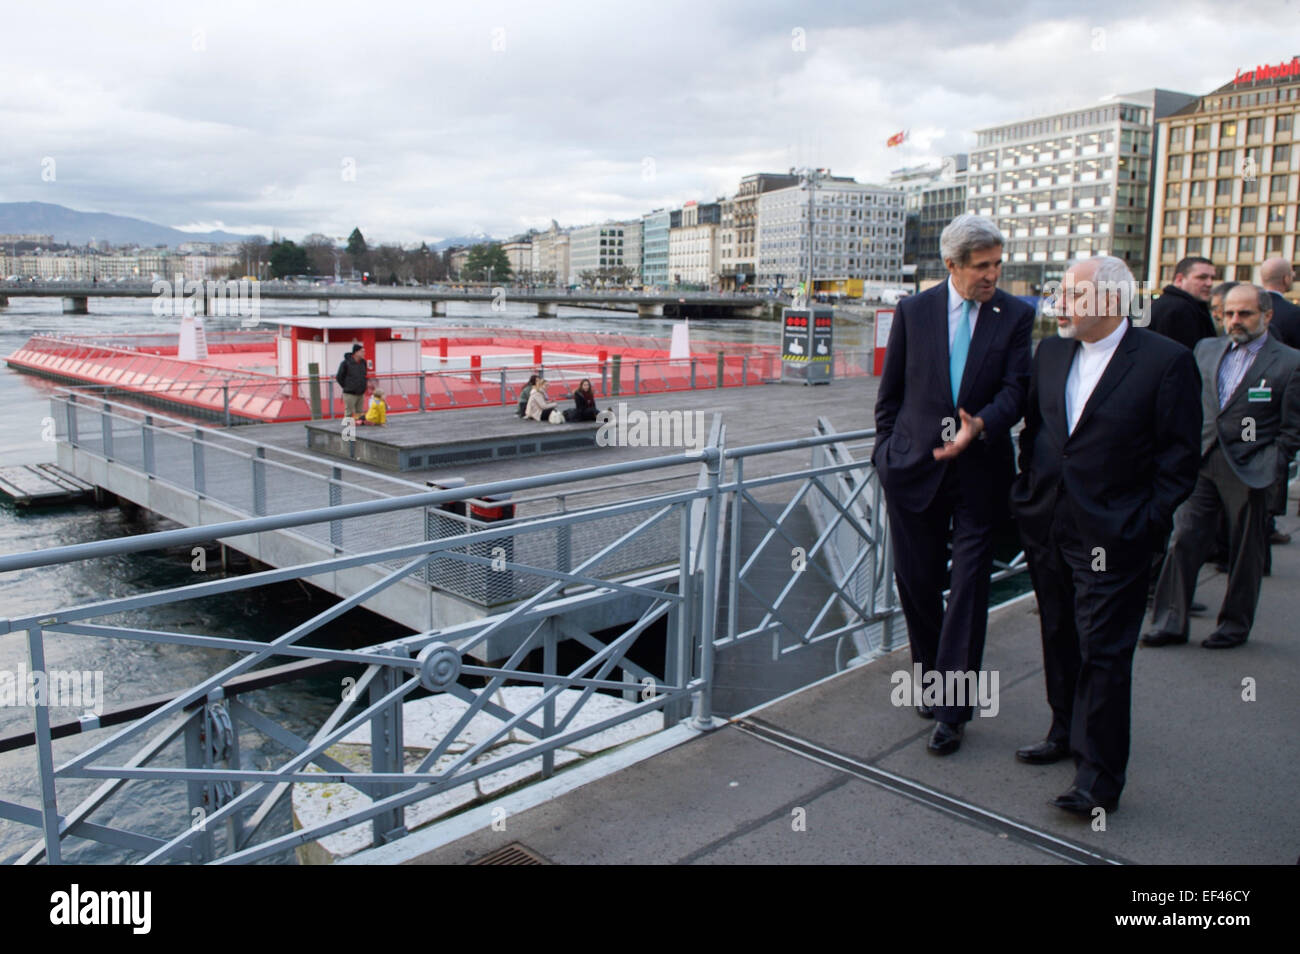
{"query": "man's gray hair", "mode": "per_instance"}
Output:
(1265, 296)
(966, 234)
(1113, 288)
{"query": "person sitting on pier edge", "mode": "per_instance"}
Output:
(525, 392)
(538, 403)
(584, 401)
(351, 377)
(378, 411)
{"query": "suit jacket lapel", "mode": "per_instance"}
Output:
(979, 344)
(1261, 367)
(1059, 375)
(1120, 363)
(938, 329)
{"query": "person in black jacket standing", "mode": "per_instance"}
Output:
(956, 370)
(1110, 448)
(1182, 312)
(351, 377)
(1277, 276)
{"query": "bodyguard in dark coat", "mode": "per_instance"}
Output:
(1251, 405)
(1277, 276)
(1108, 452)
(953, 386)
(1182, 312)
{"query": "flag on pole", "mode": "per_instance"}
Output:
(896, 139)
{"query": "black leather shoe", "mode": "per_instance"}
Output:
(1278, 537)
(946, 738)
(1197, 609)
(925, 712)
(1157, 638)
(1079, 801)
(1222, 641)
(1043, 753)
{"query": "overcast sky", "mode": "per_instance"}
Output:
(419, 121)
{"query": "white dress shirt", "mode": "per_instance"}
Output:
(1090, 361)
(954, 314)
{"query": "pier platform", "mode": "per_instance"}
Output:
(42, 485)
(834, 773)
(474, 435)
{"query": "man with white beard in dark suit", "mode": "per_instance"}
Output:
(1108, 452)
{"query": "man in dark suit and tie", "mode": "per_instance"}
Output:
(1108, 452)
(955, 374)
(1277, 276)
(1250, 399)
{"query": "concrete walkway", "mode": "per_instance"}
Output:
(836, 774)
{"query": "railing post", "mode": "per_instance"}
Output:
(563, 545)
(548, 708)
(421, 391)
(692, 374)
(636, 378)
(386, 751)
(202, 799)
(106, 430)
(733, 576)
(225, 401)
(259, 481)
(146, 443)
(44, 754)
(70, 410)
(329, 397)
(708, 575)
(200, 471)
(503, 387)
(744, 371)
(721, 367)
(336, 498)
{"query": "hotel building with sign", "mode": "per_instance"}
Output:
(1227, 188)
(1070, 185)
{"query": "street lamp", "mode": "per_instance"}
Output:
(811, 178)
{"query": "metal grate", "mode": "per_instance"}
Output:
(512, 854)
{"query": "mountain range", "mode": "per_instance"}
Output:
(78, 228)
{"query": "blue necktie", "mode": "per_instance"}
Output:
(960, 346)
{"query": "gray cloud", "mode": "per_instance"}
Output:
(244, 115)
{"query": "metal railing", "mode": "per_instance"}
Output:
(226, 802)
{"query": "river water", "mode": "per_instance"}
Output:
(133, 670)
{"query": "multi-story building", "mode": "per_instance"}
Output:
(1227, 188)
(654, 247)
(144, 265)
(693, 245)
(550, 256)
(519, 253)
(934, 196)
(458, 259)
(1075, 184)
(738, 232)
(605, 252)
(858, 233)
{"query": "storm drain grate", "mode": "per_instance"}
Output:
(512, 854)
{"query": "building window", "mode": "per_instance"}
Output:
(1220, 247)
(1277, 215)
(1284, 123)
(1221, 217)
(1246, 246)
(1281, 155)
(1223, 189)
(1200, 163)
(1171, 220)
(1249, 216)
(1196, 218)
(1202, 132)
(1227, 130)
(1278, 187)
(1255, 127)
(1274, 245)
(1169, 247)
